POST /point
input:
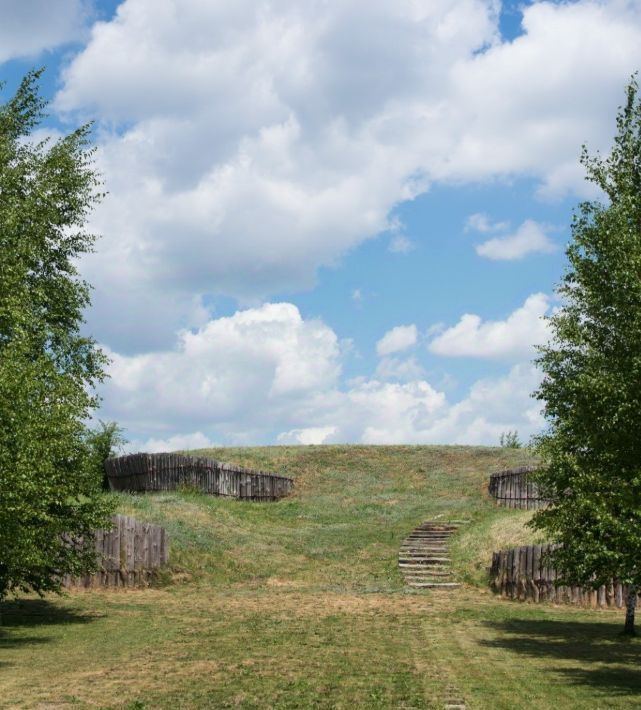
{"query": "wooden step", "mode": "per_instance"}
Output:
(429, 574)
(423, 557)
(423, 553)
(436, 540)
(423, 544)
(431, 531)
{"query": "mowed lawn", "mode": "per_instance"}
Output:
(299, 604)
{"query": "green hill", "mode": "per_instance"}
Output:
(299, 603)
(341, 529)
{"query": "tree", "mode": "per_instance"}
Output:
(591, 451)
(49, 491)
(104, 441)
(510, 440)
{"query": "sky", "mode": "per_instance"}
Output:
(330, 221)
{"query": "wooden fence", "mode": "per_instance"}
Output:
(129, 554)
(514, 488)
(524, 573)
(167, 472)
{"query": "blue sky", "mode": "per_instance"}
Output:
(327, 222)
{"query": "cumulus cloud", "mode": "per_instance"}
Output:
(480, 222)
(399, 338)
(510, 339)
(401, 369)
(242, 367)
(246, 144)
(178, 442)
(493, 405)
(29, 27)
(266, 374)
(529, 238)
(311, 435)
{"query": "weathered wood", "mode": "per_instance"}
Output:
(536, 572)
(513, 488)
(525, 573)
(125, 555)
(166, 472)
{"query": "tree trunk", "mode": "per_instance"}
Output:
(630, 606)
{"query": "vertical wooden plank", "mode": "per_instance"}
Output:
(529, 573)
(618, 595)
(508, 572)
(503, 554)
(115, 549)
(547, 573)
(139, 552)
(99, 541)
(552, 575)
(575, 594)
(164, 546)
(522, 592)
(607, 594)
(536, 572)
(130, 561)
(155, 546)
(494, 570)
(515, 572)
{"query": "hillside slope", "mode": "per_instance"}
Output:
(341, 528)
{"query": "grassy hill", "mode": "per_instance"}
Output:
(341, 528)
(299, 604)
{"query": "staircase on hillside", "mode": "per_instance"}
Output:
(424, 560)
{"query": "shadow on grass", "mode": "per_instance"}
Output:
(20, 614)
(606, 661)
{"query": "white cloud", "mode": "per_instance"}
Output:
(391, 368)
(256, 141)
(511, 339)
(178, 442)
(392, 413)
(529, 238)
(545, 89)
(401, 245)
(480, 222)
(265, 375)
(399, 338)
(493, 405)
(255, 365)
(312, 435)
(29, 27)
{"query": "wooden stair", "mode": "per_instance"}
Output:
(423, 558)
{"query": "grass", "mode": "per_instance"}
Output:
(498, 529)
(299, 604)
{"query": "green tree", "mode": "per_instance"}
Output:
(105, 441)
(591, 389)
(49, 490)
(510, 440)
